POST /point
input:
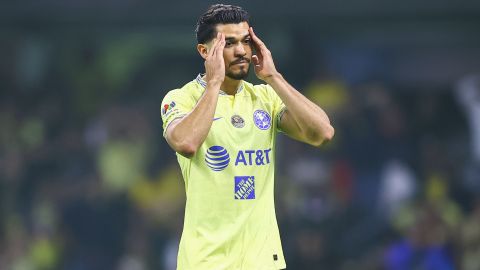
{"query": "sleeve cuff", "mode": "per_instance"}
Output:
(170, 122)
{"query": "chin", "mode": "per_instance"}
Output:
(237, 75)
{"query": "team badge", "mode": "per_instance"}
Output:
(217, 158)
(244, 188)
(237, 121)
(262, 119)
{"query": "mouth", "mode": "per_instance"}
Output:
(240, 62)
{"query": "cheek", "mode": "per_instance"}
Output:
(228, 55)
(249, 49)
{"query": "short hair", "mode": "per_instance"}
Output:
(218, 14)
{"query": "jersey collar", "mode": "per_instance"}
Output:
(203, 83)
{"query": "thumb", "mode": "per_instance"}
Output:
(255, 60)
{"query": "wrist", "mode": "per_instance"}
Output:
(273, 78)
(214, 84)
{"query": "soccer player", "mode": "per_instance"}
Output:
(223, 130)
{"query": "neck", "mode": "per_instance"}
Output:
(230, 85)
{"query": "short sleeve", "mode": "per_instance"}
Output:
(278, 106)
(176, 104)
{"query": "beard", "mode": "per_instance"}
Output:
(238, 75)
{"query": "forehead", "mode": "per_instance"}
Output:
(236, 30)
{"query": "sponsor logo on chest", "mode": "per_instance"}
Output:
(217, 157)
(244, 188)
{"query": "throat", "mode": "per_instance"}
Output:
(230, 86)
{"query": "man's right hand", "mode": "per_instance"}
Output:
(214, 63)
(185, 135)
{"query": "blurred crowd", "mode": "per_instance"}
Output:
(88, 182)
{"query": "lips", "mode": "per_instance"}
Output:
(242, 61)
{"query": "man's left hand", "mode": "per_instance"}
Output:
(262, 61)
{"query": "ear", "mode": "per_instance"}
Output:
(203, 50)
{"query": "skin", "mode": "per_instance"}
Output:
(303, 120)
(238, 47)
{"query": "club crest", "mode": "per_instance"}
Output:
(262, 119)
(237, 121)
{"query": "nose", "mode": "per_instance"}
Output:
(240, 50)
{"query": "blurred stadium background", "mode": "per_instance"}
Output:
(88, 182)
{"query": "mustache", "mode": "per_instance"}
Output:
(243, 59)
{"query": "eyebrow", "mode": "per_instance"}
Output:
(233, 39)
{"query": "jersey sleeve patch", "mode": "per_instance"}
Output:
(175, 105)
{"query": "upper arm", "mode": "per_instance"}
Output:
(175, 105)
(168, 134)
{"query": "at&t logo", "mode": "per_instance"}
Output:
(217, 158)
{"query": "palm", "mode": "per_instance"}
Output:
(262, 61)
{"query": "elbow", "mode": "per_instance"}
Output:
(329, 133)
(323, 137)
(184, 147)
(187, 150)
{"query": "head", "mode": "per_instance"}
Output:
(233, 22)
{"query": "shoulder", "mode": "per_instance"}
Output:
(189, 91)
(262, 91)
(257, 87)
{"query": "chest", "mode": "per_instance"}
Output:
(242, 122)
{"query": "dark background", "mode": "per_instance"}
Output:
(88, 182)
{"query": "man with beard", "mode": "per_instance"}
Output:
(223, 130)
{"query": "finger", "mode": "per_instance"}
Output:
(217, 43)
(255, 60)
(219, 47)
(214, 45)
(259, 43)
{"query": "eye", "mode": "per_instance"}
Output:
(247, 41)
(228, 43)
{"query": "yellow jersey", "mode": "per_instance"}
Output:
(230, 221)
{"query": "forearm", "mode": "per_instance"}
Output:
(313, 124)
(187, 134)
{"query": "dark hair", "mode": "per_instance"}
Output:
(218, 14)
